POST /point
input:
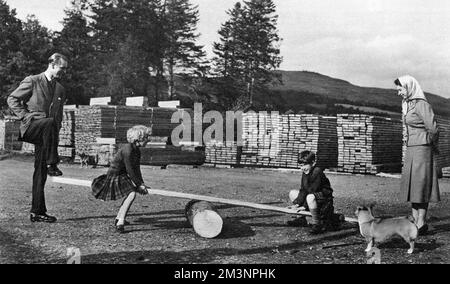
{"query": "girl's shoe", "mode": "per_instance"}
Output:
(120, 229)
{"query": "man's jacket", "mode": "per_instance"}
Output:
(33, 99)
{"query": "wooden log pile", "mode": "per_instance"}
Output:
(369, 144)
(171, 155)
(9, 134)
(443, 158)
(273, 140)
(222, 153)
(67, 135)
(446, 172)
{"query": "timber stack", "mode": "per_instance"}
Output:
(273, 140)
(9, 134)
(222, 153)
(66, 147)
(369, 144)
(443, 157)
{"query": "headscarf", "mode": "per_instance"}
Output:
(413, 91)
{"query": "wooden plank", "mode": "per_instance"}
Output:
(189, 196)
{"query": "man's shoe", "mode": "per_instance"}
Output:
(42, 218)
(53, 171)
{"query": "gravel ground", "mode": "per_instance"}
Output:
(159, 232)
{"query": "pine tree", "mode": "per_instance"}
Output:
(10, 56)
(36, 46)
(248, 51)
(180, 20)
(74, 41)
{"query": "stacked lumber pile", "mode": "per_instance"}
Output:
(261, 139)
(319, 134)
(273, 140)
(66, 147)
(443, 158)
(127, 117)
(9, 134)
(222, 153)
(446, 172)
(369, 144)
(171, 155)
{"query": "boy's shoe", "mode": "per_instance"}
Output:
(298, 222)
(317, 229)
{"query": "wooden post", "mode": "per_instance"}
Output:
(206, 222)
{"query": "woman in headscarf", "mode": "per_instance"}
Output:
(419, 183)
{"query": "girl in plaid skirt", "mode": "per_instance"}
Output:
(124, 178)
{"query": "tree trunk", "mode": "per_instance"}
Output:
(206, 222)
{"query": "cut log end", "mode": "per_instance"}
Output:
(207, 224)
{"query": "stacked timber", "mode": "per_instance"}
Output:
(273, 140)
(261, 139)
(443, 157)
(221, 153)
(171, 155)
(127, 117)
(369, 144)
(9, 134)
(446, 172)
(66, 146)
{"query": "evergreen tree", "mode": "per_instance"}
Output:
(74, 41)
(11, 59)
(248, 51)
(180, 20)
(36, 46)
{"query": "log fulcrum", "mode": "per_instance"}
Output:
(205, 220)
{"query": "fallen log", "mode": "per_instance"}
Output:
(205, 220)
(189, 196)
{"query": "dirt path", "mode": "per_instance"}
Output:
(159, 232)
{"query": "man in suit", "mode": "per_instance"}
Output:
(38, 102)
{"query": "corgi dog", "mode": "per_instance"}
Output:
(376, 230)
(87, 160)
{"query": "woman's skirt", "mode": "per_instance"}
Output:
(419, 176)
(112, 187)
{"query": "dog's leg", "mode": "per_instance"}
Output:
(370, 245)
(411, 249)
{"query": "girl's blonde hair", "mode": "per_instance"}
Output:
(138, 133)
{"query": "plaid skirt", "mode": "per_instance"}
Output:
(112, 187)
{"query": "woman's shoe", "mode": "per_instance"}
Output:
(423, 230)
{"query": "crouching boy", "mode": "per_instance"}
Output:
(315, 195)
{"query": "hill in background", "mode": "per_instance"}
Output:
(302, 90)
(309, 92)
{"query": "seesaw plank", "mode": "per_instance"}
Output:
(189, 196)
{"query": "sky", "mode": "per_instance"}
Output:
(366, 42)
